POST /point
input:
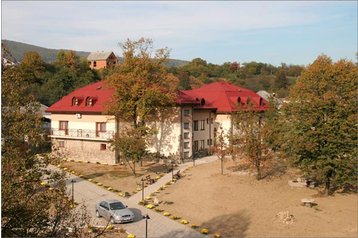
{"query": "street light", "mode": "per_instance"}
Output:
(142, 189)
(172, 162)
(73, 190)
(146, 217)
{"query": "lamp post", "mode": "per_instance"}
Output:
(73, 191)
(142, 189)
(172, 162)
(146, 217)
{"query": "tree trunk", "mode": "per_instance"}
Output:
(327, 185)
(258, 170)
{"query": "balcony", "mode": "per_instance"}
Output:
(82, 134)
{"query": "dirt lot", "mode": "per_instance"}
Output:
(118, 177)
(236, 205)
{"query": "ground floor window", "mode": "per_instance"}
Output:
(103, 146)
(196, 145)
(61, 143)
(202, 144)
(210, 141)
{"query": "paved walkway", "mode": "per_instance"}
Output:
(159, 226)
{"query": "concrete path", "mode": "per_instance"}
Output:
(159, 226)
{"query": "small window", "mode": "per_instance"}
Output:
(186, 155)
(210, 141)
(186, 112)
(103, 146)
(186, 125)
(202, 125)
(74, 101)
(89, 101)
(186, 145)
(186, 135)
(94, 64)
(100, 127)
(196, 125)
(202, 144)
(61, 143)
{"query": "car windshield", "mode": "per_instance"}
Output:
(116, 206)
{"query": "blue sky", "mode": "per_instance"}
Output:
(293, 32)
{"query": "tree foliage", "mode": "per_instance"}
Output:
(29, 207)
(142, 88)
(251, 129)
(321, 123)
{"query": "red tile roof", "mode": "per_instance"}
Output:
(99, 92)
(221, 96)
(224, 97)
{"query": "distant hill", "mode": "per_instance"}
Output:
(17, 50)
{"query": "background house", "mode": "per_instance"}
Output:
(101, 60)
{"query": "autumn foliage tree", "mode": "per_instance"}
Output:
(142, 87)
(321, 123)
(29, 206)
(251, 128)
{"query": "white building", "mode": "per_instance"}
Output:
(82, 131)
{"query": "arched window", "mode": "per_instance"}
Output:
(202, 102)
(74, 101)
(239, 101)
(89, 101)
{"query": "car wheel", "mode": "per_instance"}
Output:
(97, 214)
(111, 220)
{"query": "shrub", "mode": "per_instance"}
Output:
(184, 222)
(131, 236)
(194, 226)
(204, 231)
(150, 206)
(217, 235)
(166, 214)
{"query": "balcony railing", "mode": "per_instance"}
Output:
(82, 134)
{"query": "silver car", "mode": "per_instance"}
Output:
(114, 211)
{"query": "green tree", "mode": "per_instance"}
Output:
(29, 206)
(142, 84)
(220, 148)
(281, 79)
(321, 118)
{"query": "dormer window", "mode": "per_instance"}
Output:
(75, 101)
(261, 102)
(89, 101)
(202, 102)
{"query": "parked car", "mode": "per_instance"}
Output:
(114, 211)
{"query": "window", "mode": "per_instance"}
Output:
(64, 126)
(89, 101)
(100, 127)
(202, 125)
(61, 143)
(196, 145)
(186, 145)
(103, 146)
(186, 155)
(202, 144)
(186, 135)
(74, 101)
(94, 64)
(210, 141)
(186, 112)
(196, 125)
(186, 125)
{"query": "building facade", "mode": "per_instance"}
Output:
(81, 129)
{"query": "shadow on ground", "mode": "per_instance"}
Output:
(230, 226)
(138, 216)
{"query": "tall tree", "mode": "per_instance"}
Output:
(321, 118)
(248, 141)
(142, 84)
(29, 208)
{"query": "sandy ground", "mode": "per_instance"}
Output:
(237, 205)
(118, 177)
